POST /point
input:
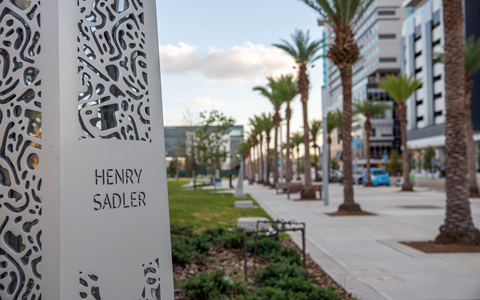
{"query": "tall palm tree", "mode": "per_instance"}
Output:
(315, 127)
(342, 16)
(267, 125)
(257, 125)
(369, 109)
(297, 140)
(472, 65)
(400, 89)
(287, 90)
(304, 52)
(273, 97)
(458, 226)
(334, 121)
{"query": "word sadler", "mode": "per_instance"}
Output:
(118, 200)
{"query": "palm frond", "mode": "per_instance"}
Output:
(400, 88)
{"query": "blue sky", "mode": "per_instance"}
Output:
(214, 52)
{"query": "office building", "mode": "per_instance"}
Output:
(422, 37)
(378, 33)
(177, 143)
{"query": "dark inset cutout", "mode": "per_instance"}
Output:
(22, 4)
(14, 242)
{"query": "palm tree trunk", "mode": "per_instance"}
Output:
(458, 226)
(315, 161)
(348, 202)
(267, 179)
(368, 128)
(275, 154)
(298, 163)
(329, 141)
(472, 171)
(402, 118)
(289, 159)
(260, 163)
(308, 191)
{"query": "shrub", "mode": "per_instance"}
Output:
(213, 286)
(185, 230)
(232, 239)
(185, 250)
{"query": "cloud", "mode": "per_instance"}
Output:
(174, 121)
(238, 64)
(203, 102)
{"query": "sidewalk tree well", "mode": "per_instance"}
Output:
(458, 226)
(214, 126)
(342, 16)
(472, 66)
(400, 89)
(304, 52)
(369, 109)
(315, 127)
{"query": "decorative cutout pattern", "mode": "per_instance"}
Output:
(20, 134)
(112, 68)
(151, 291)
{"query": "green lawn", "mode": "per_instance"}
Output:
(204, 209)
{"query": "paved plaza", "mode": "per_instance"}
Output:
(363, 253)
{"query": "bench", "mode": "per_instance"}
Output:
(296, 187)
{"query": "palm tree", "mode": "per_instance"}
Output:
(458, 226)
(270, 94)
(400, 89)
(304, 52)
(334, 121)
(472, 65)
(315, 127)
(257, 129)
(287, 90)
(297, 140)
(369, 109)
(342, 16)
(267, 125)
(243, 150)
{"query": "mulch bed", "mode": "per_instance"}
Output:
(353, 213)
(233, 262)
(431, 247)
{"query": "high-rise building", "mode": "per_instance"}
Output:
(378, 33)
(422, 37)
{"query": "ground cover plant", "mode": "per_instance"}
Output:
(217, 273)
(208, 257)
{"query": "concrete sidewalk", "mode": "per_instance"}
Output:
(363, 253)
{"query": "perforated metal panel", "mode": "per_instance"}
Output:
(83, 202)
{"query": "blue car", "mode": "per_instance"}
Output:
(378, 177)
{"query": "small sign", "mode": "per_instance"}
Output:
(385, 158)
(432, 161)
(218, 183)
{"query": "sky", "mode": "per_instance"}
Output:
(213, 52)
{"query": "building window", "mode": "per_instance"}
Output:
(388, 59)
(387, 36)
(386, 13)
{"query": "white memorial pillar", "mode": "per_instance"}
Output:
(83, 193)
